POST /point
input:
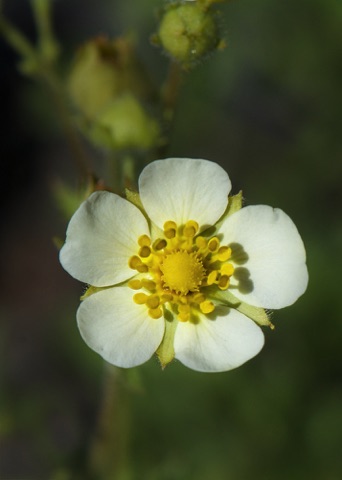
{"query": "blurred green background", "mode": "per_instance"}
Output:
(268, 109)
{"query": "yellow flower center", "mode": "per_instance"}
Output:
(178, 269)
(183, 272)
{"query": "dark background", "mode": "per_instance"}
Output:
(268, 109)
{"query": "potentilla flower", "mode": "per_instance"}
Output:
(181, 269)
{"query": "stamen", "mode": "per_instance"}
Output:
(140, 298)
(198, 298)
(136, 264)
(148, 284)
(201, 243)
(155, 313)
(224, 254)
(227, 269)
(170, 229)
(223, 283)
(153, 301)
(159, 244)
(166, 297)
(207, 306)
(144, 241)
(183, 313)
(190, 229)
(135, 284)
(212, 277)
(213, 244)
(145, 252)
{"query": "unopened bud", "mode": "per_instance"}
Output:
(125, 124)
(188, 32)
(104, 69)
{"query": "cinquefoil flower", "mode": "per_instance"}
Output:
(182, 269)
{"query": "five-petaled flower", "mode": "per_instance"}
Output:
(181, 269)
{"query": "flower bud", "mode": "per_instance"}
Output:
(125, 124)
(104, 69)
(188, 32)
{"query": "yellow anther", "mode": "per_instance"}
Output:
(190, 229)
(224, 253)
(155, 313)
(198, 298)
(140, 298)
(135, 284)
(183, 313)
(166, 297)
(170, 233)
(134, 262)
(145, 252)
(183, 317)
(159, 244)
(153, 301)
(212, 277)
(227, 269)
(170, 224)
(142, 268)
(184, 308)
(207, 306)
(201, 243)
(213, 244)
(144, 241)
(148, 284)
(223, 283)
(170, 229)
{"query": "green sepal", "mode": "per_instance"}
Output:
(58, 242)
(134, 197)
(166, 351)
(91, 290)
(257, 314)
(235, 203)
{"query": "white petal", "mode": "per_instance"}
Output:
(101, 237)
(182, 189)
(224, 341)
(269, 257)
(118, 329)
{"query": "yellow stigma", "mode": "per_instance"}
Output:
(183, 272)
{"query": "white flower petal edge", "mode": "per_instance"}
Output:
(219, 344)
(270, 269)
(181, 189)
(101, 237)
(118, 329)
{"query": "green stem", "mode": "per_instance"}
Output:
(16, 40)
(47, 43)
(171, 90)
(108, 456)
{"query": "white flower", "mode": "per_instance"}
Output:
(181, 270)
